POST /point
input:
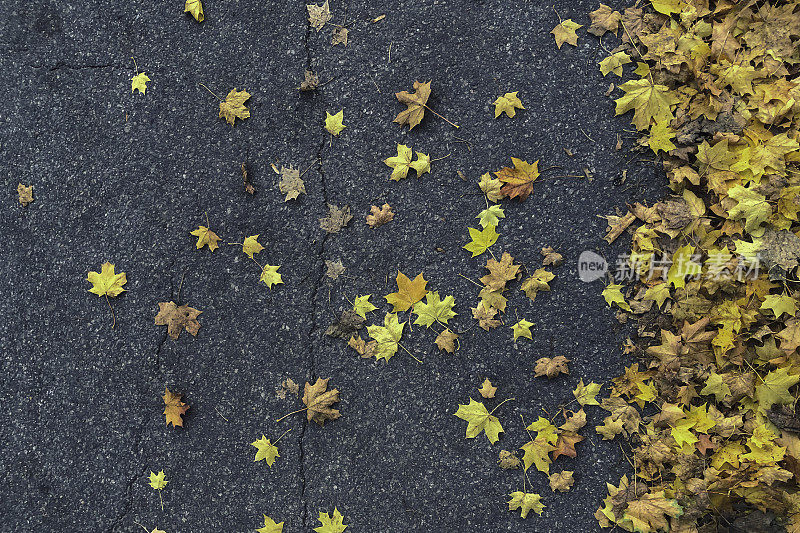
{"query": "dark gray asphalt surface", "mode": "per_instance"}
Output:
(124, 177)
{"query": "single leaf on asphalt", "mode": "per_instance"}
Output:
(481, 240)
(434, 309)
(487, 390)
(408, 292)
(251, 246)
(266, 450)
(25, 193)
(518, 180)
(194, 8)
(318, 15)
(379, 216)
(233, 106)
(551, 257)
(585, 394)
(291, 185)
(508, 104)
(270, 275)
(565, 33)
(174, 408)
(177, 318)
(333, 123)
(522, 329)
(205, 237)
(551, 367)
(478, 420)
(333, 523)
(157, 481)
(139, 82)
(387, 336)
(270, 526)
(525, 502)
(337, 218)
(319, 400)
(500, 273)
(339, 36)
(416, 104)
(106, 282)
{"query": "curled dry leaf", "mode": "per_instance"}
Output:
(319, 401)
(291, 185)
(380, 216)
(551, 257)
(310, 81)
(508, 460)
(561, 481)
(349, 322)
(339, 36)
(25, 193)
(363, 348)
(248, 183)
(177, 318)
(287, 386)
(174, 408)
(334, 269)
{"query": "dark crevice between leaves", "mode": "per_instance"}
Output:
(129, 487)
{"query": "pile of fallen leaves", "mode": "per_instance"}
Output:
(709, 408)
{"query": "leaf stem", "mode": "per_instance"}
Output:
(160, 498)
(212, 92)
(440, 116)
(279, 438)
(409, 353)
(471, 281)
(293, 412)
(501, 403)
(113, 316)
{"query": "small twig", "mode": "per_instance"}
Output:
(409, 353)
(501, 403)
(586, 135)
(220, 414)
(309, 166)
(389, 60)
(136, 67)
(471, 281)
(440, 158)
(279, 438)
(460, 140)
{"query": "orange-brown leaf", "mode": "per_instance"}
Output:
(174, 408)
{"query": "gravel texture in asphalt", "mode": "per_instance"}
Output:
(124, 178)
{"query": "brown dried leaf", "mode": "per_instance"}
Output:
(339, 36)
(25, 194)
(546, 366)
(446, 341)
(318, 16)
(508, 460)
(487, 390)
(551, 257)
(177, 317)
(319, 401)
(337, 218)
(379, 217)
(174, 408)
(416, 103)
(291, 185)
(349, 322)
(363, 348)
(311, 81)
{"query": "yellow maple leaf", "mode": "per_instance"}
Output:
(270, 275)
(270, 526)
(481, 240)
(408, 292)
(518, 181)
(522, 329)
(157, 481)
(649, 102)
(387, 337)
(478, 420)
(565, 33)
(205, 237)
(525, 502)
(333, 123)
(139, 82)
(194, 8)
(267, 451)
(585, 394)
(508, 104)
(251, 246)
(613, 63)
(233, 106)
(106, 282)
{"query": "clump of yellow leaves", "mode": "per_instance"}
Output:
(708, 408)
